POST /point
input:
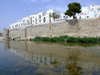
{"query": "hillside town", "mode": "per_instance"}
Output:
(46, 17)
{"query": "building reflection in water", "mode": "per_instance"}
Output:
(35, 58)
(73, 60)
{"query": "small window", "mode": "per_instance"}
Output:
(27, 20)
(98, 9)
(87, 16)
(16, 25)
(12, 26)
(63, 16)
(39, 16)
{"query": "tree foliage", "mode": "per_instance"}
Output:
(73, 8)
(54, 15)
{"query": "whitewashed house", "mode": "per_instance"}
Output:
(36, 19)
(89, 12)
(45, 17)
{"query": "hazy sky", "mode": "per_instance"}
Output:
(13, 10)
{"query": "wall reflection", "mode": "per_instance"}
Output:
(76, 60)
(35, 58)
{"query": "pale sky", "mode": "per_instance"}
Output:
(13, 10)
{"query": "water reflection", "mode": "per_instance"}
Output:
(72, 63)
(58, 59)
(35, 58)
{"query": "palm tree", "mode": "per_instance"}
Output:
(54, 16)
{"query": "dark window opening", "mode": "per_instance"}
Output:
(44, 19)
(87, 16)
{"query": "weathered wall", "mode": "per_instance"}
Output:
(21, 32)
(6, 34)
(83, 27)
(90, 27)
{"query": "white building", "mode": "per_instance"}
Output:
(36, 19)
(44, 17)
(89, 12)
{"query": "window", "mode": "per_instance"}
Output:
(44, 19)
(63, 16)
(87, 16)
(16, 26)
(33, 20)
(12, 26)
(98, 9)
(39, 16)
(27, 21)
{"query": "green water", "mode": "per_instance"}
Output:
(45, 58)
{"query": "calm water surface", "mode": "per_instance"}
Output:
(39, 58)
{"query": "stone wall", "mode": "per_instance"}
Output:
(82, 27)
(5, 34)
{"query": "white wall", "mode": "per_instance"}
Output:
(34, 19)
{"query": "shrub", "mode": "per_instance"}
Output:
(68, 39)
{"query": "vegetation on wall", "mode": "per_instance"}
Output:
(68, 39)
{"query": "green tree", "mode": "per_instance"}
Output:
(54, 16)
(73, 8)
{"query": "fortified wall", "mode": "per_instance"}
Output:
(82, 27)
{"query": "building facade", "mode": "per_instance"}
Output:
(36, 19)
(46, 17)
(89, 12)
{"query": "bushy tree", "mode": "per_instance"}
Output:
(73, 8)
